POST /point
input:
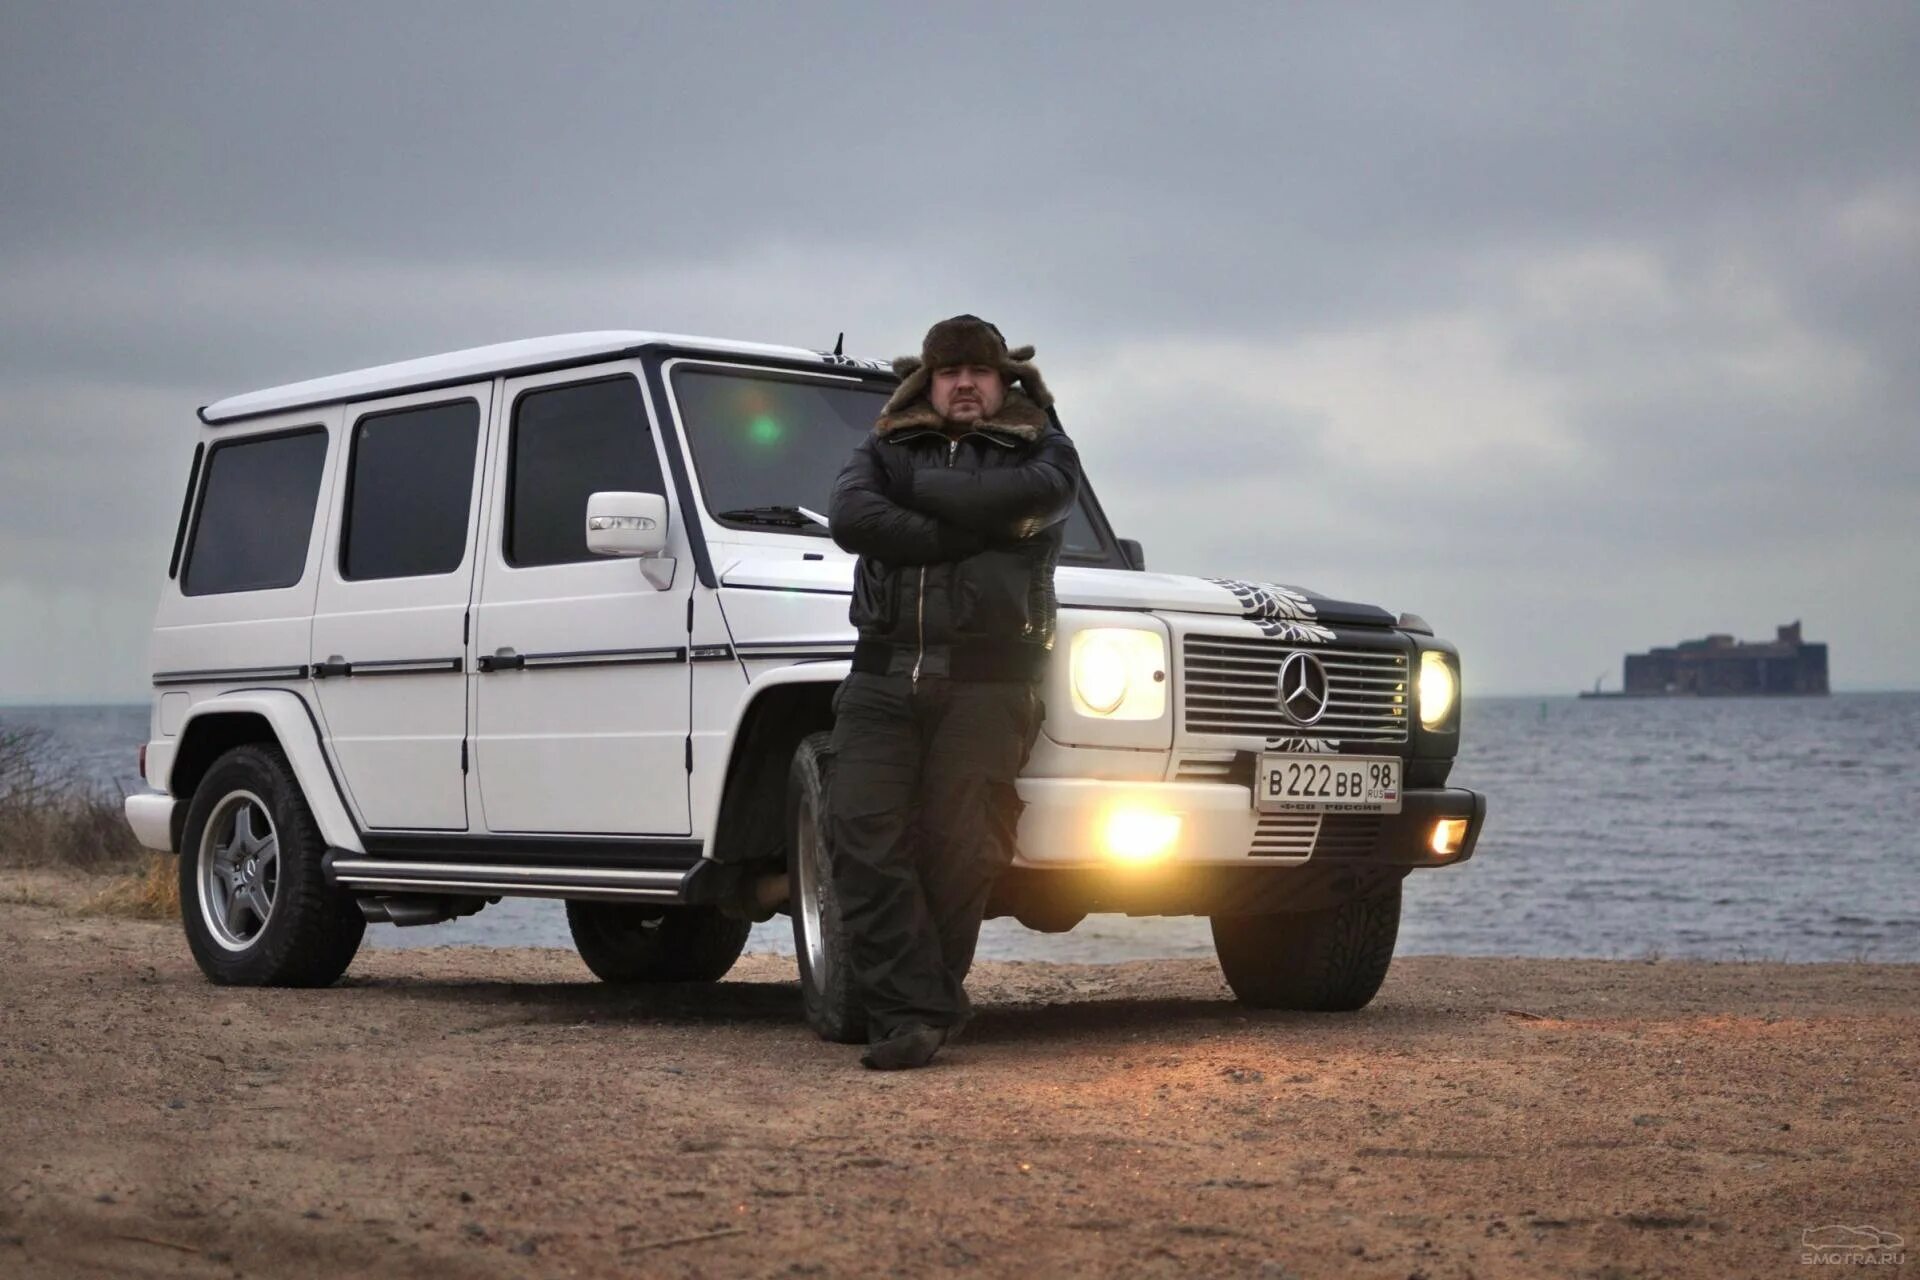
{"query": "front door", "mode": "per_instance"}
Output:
(582, 703)
(389, 626)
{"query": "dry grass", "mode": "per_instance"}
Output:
(51, 819)
(152, 893)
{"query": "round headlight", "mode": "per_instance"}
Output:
(1438, 689)
(1100, 673)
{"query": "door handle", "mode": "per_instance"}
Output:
(501, 660)
(333, 666)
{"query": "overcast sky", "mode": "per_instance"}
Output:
(1577, 329)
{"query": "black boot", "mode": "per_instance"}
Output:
(912, 1046)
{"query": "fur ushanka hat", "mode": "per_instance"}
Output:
(968, 340)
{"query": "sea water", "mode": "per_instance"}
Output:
(1625, 828)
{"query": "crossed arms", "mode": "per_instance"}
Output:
(946, 513)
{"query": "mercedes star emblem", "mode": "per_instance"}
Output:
(1303, 688)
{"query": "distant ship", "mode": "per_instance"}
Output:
(1721, 667)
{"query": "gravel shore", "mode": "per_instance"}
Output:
(466, 1112)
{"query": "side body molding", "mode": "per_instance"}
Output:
(299, 734)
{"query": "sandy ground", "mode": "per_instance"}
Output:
(470, 1112)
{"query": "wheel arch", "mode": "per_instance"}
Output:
(748, 819)
(277, 716)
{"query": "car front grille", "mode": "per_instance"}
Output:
(1232, 686)
(1322, 836)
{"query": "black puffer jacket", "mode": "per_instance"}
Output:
(958, 536)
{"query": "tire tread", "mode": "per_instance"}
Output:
(691, 944)
(1331, 960)
(316, 929)
(833, 1012)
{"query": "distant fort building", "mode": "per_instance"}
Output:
(1720, 666)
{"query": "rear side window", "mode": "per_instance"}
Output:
(409, 492)
(569, 443)
(256, 514)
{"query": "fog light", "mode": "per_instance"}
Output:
(1448, 835)
(1139, 835)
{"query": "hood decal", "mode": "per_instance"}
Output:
(1285, 613)
(1280, 612)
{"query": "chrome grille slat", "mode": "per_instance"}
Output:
(1364, 709)
(1285, 835)
(1295, 835)
(1258, 646)
(1266, 703)
(1260, 680)
(1231, 685)
(1203, 768)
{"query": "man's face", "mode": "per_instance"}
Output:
(967, 392)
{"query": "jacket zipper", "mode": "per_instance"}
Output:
(920, 647)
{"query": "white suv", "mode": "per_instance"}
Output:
(558, 618)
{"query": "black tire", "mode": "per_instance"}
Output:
(310, 930)
(1326, 961)
(819, 936)
(625, 943)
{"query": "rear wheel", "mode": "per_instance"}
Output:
(1331, 960)
(624, 943)
(254, 897)
(819, 936)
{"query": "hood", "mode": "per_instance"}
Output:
(1287, 608)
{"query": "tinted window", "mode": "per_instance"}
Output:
(569, 443)
(256, 515)
(771, 441)
(763, 440)
(1080, 540)
(409, 491)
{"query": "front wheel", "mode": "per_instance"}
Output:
(819, 935)
(624, 943)
(1331, 960)
(253, 895)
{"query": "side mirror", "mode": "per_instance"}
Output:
(627, 524)
(1135, 554)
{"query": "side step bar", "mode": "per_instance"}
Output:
(615, 884)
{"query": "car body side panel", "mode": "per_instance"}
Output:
(295, 728)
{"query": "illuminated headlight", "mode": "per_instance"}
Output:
(1119, 673)
(1439, 687)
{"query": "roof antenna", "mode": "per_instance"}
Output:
(839, 343)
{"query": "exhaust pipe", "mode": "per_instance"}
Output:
(412, 909)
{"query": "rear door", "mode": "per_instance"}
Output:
(389, 628)
(582, 697)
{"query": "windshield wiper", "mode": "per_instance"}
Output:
(782, 517)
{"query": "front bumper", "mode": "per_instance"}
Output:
(150, 814)
(1064, 818)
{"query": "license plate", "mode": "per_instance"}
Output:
(1327, 784)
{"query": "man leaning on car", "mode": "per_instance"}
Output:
(956, 505)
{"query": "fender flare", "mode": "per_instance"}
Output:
(293, 724)
(824, 673)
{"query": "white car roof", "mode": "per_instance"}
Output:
(477, 362)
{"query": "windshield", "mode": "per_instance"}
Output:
(765, 444)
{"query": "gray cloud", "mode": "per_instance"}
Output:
(1575, 329)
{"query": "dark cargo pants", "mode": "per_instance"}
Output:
(922, 813)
